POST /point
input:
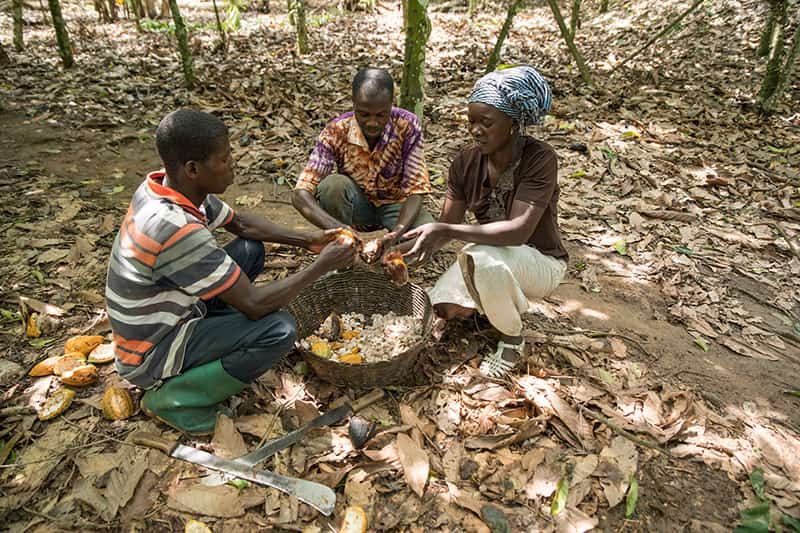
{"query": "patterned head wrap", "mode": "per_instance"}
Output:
(519, 92)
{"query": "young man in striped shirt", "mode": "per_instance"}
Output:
(188, 324)
(378, 155)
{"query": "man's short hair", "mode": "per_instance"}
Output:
(372, 82)
(188, 135)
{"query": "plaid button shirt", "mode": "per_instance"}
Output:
(387, 174)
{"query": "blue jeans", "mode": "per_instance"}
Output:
(247, 348)
(344, 200)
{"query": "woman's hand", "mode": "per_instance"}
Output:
(430, 239)
(319, 239)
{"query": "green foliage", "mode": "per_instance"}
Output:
(632, 498)
(233, 16)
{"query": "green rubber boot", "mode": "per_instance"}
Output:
(189, 402)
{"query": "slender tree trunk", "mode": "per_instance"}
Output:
(4, 59)
(219, 25)
(418, 31)
(17, 15)
(513, 8)
(473, 8)
(45, 20)
(766, 34)
(574, 19)
(102, 10)
(62, 37)
(183, 44)
(112, 10)
(404, 7)
(165, 9)
(298, 17)
(771, 101)
(576, 54)
(775, 56)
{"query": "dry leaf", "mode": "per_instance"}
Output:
(415, 463)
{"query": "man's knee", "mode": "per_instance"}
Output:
(335, 188)
(282, 328)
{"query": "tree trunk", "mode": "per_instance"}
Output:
(17, 15)
(165, 9)
(112, 10)
(404, 8)
(574, 19)
(576, 54)
(4, 59)
(775, 56)
(604, 6)
(219, 25)
(45, 20)
(473, 8)
(62, 37)
(183, 44)
(513, 8)
(766, 34)
(412, 91)
(298, 14)
(102, 11)
(771, 102)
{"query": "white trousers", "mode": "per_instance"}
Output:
(506, 279)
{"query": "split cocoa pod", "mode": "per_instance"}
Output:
(348, 238)
(83, 344)
(56, 404)
(67, 362)
(396, 268)
(117, 403)
(102, 353)
(81, 376)
(44, 368)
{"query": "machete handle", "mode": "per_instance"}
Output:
(366, 400)
(151, 440)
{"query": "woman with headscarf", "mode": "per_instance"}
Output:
(509, 181)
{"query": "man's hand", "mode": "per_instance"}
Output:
(337, 255)
(430, 239)
(320, 238)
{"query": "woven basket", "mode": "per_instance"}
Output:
(366, 292)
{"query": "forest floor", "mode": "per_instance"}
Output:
(669, 356)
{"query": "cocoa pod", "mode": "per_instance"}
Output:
(82, 343)
(81, 376)
(117, 403)
(396, 268)
(102, 353)
(56, 404)
(44, 368)
(68, 361)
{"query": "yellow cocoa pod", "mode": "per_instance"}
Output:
(321, 349)
(350, 334)
(351, 358)
(82, 343)
(56, 404)
(355, 520)
(32, 328)
(68, 362)
(44, 368)
(117, 403)
(102, 353)
(196, 526)
(81, 376)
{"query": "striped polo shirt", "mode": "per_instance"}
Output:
(164, 263)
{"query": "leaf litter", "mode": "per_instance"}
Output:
(678, 188)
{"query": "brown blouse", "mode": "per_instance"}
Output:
(535, 181)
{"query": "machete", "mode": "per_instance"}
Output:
(274, 446)
(318, 496)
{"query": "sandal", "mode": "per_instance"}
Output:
(495, 366)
